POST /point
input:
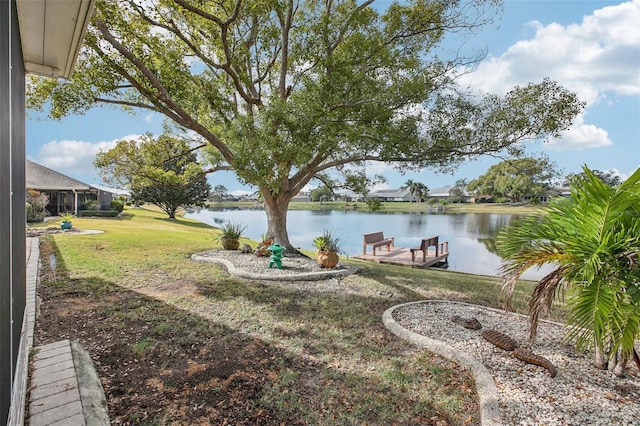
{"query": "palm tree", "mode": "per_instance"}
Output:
(410, 185)
(417, 190)
(422, 190)
(593, 237)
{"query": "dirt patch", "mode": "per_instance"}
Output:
(185, 372)
(160, 364)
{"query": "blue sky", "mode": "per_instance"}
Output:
(589, 46)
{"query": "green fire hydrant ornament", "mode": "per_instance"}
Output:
(276, 255)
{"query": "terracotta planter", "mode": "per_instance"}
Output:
(327, 259)
(262, 248)
(230, 243)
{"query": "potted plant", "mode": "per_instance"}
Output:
(328, 246)
(230, 235)
(265, 242)
(66, 220)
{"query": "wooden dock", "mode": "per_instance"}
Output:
(402, 256)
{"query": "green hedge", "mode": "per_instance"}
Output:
(98, 213)
(117, 205)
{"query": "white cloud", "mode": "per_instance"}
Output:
(598, 56)
(581, 136)
(75, 157)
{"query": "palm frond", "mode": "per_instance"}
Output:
(542, 297)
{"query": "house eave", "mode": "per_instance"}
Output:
(52, 32)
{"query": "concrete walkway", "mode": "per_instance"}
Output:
(55, 397)
(64, 388)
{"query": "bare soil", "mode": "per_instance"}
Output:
(161, 365)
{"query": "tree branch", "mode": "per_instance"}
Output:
(181, 116)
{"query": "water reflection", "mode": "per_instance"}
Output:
(456, 221)
(471, 236)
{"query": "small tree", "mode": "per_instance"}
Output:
(422, 191)
(321, 194)
(374, 204)
(117, 205)
(39, 203)
(457, 193)
(409, 185)
(219, 192)
(162, 171)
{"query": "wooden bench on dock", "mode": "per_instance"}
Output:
(424, 248)
(376, 239)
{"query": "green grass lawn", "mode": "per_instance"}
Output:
(327, 359)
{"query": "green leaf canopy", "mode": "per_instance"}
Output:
(282, 90)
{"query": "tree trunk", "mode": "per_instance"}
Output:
(276, 207)
(599, 360)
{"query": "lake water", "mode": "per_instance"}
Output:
(471, 236)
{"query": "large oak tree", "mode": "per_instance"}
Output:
(281, 91)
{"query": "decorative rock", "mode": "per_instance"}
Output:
(581, 395)
(529, 357)
(470, 323)
(499, 339)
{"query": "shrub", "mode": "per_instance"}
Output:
(98, 213)
(117, 205)
(374, 204)
(91, 205)
(38, 202)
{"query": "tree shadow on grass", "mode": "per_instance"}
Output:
(257, 355)
(190, 224)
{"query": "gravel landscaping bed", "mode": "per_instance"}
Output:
(294, 268)
(580, 394)
(260, 264)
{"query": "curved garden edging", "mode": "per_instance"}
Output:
(485, 385)
(304, 276)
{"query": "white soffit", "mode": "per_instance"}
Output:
(52, 33)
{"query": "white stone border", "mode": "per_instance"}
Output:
(485, 385)
(303, 276)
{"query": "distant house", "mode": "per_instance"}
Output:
(444, 193)
(350, 196)
(439, 193)
(302, 197)
(107, 195)
(560, 191)
(255, 196)
(65, 193)
(402, 194)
